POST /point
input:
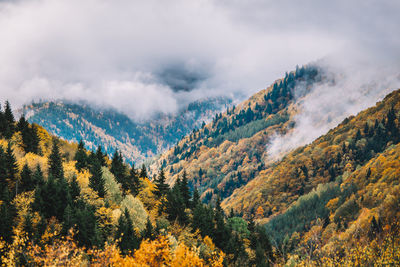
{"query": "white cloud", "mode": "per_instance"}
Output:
(119, 53)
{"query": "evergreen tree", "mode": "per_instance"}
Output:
(175, 205)
(148, 232)
(74, 188)
(185, 191)
(202, 220)
(55, 161)
(84, 218)
(119, 170)
(101, 156)
(134, 181)
(12, 167)
(143, 171)
(221, 232)
(7, 213)
(128, 239)
(38, 176)
(161, 187)
(81, 157)
(195, 199)
(9, 120)
(27, 182)
(3, 170)
(96, 181)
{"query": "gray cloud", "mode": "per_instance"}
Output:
(143, 57)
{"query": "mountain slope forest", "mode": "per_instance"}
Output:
(334, 202)
(231, 150)
(61, 204)
(137, 141)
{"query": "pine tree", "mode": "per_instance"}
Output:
(9, 120)
(3, 170)
(55, 162)
(161, 187)
(100, 156)
(12, 167)
(195, 199)
(81, 157)
(7, 213)
(135, 184)
(143, 171)
(175, 205)
(74, 188)
(128, 239)
(96, 181)
(119, 170)
(185, 191)
(38, 176)
(27, 182)
(148, 232)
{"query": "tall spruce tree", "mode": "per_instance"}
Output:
(134, 181)
(27, 182)
(81, 157)
(161, 187)
(101, 156)
(12, 167)
(96, 181)
(185, 191)
(119, 170)
(143, 171)
(9, 120)
(128, 240)
(55, 161)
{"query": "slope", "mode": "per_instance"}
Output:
(230, 151)
(111, 129)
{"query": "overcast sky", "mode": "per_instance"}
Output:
(144, 56)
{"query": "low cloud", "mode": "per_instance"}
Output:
(351, 86)
(144, 57)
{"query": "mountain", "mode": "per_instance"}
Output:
(231, 150)
(113, 130)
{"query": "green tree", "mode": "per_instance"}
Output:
(81, 157)
(185, 191)
(96, 180)
(134, 181)
(9, 120)
(161, 187)
(27, 182)
(119, 170)
(55, 161)
(128, 240)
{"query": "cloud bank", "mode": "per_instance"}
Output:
(142, 57)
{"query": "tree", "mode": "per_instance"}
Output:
(148, 232)
(38, 176)
(128, 240)
(12, 167)
(161, 187)
(9, 121)
(100, 156)
(7, 213)
(74, 188)
(96, 181)
(134, 181)
(185, 191)
(81, 157)
(195, 199)
(55, 161)
(175, 205)
(27, 182)
(143, 171)
(119, 170)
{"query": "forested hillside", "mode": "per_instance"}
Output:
(63, 205)
(137, 141)
(231, 150)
